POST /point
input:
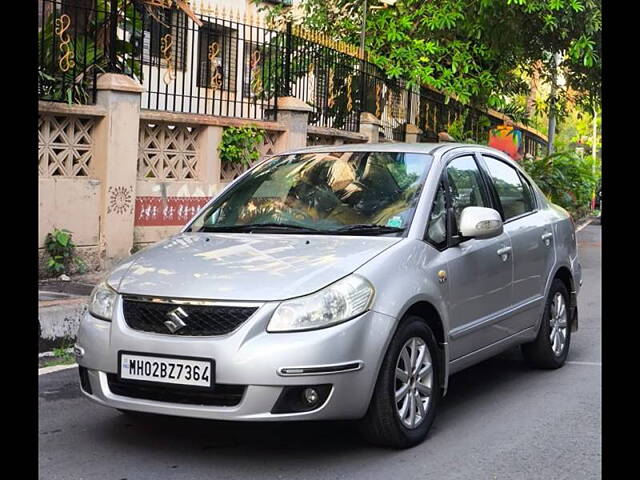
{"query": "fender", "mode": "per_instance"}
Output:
(417, 305)
(573, 294)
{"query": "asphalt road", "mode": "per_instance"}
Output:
(500, 420)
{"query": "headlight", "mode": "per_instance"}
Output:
(102, 300)
(334, 304)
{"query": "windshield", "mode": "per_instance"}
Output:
(324, 193)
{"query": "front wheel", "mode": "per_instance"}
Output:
(407, 391)
(551, 346)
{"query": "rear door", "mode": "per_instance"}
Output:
(532, 240)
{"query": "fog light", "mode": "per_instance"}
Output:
(301, 398)
(310, 396)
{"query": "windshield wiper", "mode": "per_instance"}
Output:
(278, 227)
(364, 228)
(368, 229)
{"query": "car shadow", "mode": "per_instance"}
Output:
(480, 382)
(269, 441)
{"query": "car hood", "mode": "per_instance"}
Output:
(244, 267)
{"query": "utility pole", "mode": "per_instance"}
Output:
(595, 136)
(593, 155)
(364, 26)
(552, 110)
(362, 60)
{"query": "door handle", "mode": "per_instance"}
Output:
(546, 238)
(504, 253)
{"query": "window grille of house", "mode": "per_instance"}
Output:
(248, 54)
(162, 22)
(65, 146)
(226, 59)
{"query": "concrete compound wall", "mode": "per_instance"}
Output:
(103, 178)
(72, 204)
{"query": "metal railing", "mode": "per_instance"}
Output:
(219, 65)
(326, 79)
(71, 49)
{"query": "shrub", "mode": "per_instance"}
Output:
(239, 145)
(62, 252)
(565, 178)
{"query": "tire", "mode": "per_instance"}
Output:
(382, 424)
(540, 353)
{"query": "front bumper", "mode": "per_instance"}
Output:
(252, 357)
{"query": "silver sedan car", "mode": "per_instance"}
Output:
(343, 282)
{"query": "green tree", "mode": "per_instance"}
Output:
(472, 48)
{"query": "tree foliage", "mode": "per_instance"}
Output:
(89, 46)
(471, 48)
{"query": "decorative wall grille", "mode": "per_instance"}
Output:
(269, 145)
(65, 145)
(167, 152)
(230, 172)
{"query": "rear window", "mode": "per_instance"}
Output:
(515, 198)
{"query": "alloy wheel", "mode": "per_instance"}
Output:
(559, 324)
(413, 382)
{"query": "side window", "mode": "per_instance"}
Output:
(437, 226)
(515, 198)
(465, 185)
(528, 192)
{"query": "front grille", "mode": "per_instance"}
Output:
(202, 320)
(221, 395)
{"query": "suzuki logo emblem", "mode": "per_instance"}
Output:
(176, 317)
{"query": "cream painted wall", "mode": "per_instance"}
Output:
(146, 235)
(70, 203)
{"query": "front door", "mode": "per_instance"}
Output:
(479, 271)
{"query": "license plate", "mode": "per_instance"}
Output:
(172, 370)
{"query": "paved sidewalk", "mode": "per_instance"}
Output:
(60, 306)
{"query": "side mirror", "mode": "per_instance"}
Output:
(480, 222)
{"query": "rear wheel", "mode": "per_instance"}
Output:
(407, 391)
(551, 346)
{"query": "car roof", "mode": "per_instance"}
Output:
(368, 147)
(426, 148)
